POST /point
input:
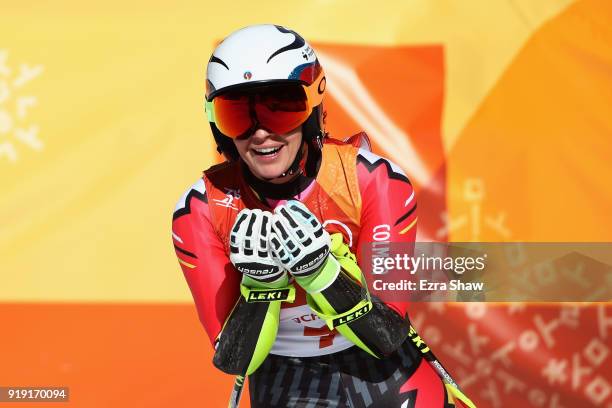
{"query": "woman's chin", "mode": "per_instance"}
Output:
(267, 173)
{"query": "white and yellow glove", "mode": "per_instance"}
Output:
(250, 252)
(301, 246)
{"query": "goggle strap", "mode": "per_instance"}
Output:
(312, 93)
(209, 107)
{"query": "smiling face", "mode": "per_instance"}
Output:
(269, 155)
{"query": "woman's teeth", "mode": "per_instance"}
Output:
(267, 151)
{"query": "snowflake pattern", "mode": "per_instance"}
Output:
(15, 129)
(474, 194)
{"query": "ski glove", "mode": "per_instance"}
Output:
(250, 251)
(298, 239)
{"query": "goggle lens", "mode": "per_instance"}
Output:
(232, 114)
(279, 109)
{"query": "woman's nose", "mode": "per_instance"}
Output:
(260, 135)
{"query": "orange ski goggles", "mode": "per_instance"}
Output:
(276, 107)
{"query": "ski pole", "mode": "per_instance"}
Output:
(234, 401)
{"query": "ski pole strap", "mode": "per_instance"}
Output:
(251, 295)
(345, 257)
(342, 322)
(334, 320)
(341, 258)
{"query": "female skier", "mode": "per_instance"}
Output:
(270, 241)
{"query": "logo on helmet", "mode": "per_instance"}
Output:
(308, 53)
(247, 75)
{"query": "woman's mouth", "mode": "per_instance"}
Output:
(267, 151)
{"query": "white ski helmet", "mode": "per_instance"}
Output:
(260, 56)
